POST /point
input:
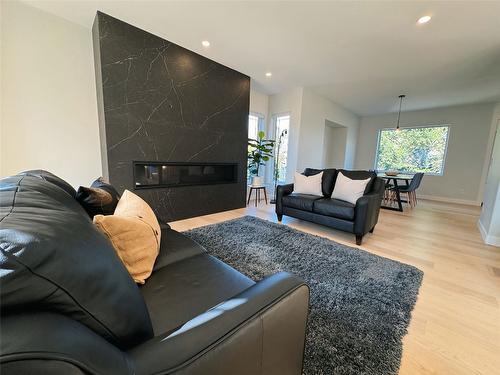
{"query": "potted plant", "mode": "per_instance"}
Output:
(260, 150)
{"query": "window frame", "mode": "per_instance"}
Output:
(379, 132)
(261, 121)
(261, 126)
(274, 120)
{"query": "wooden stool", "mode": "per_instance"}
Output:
(257, 193)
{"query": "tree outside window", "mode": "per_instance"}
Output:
(421, 149)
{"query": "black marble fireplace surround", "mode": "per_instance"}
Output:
(161, 105)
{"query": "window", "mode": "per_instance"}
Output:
(253, 126)
(281, 154)
(420, 149)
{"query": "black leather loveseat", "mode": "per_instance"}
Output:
(359, 218)
(69, 306)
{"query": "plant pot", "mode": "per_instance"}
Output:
(257, 181)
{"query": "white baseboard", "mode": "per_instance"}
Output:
(493, 240)
(482, 230)
(488, 239)
(449, 200)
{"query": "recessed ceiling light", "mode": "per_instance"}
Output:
(269, 74)
(424, 19)
(205, 43)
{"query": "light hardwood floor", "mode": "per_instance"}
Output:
(455, 327)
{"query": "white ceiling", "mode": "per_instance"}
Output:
(361, 55)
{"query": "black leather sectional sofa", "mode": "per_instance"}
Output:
(69, 306)
(359, 218)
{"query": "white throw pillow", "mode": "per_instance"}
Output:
(349, 190)
(308, 185)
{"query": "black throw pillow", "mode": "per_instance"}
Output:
(101, 184)
(99, 199)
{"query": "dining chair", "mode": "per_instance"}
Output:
(389, 196)
(411, 189)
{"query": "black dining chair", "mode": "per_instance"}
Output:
(411, 189)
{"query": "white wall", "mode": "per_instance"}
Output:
(489, 221)
(289, 102)
(259, 103)
(468, 145)
(315, 110)
(48, 97)
(334, 146)
(493, 234)
(308, 114)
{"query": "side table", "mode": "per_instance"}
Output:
(257, 193)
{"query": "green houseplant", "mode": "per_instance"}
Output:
(260, 150)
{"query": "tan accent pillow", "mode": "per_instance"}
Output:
(134, 242)
(135, 234)
(131, 205)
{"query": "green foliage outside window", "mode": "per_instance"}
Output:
(412, 149)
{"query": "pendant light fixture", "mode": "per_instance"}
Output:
(401, 97)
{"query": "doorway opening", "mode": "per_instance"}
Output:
(334, 145)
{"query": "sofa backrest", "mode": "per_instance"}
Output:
(330, 178)
(52, 178)
(54, 259)
(378, 186)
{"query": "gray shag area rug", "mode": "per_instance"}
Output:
(360, 303)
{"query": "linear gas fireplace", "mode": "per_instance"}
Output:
(158, 174)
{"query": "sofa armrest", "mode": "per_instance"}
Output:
(261, 330)
(165, 226)
(281, 191)
(366, 213)
(53, 343)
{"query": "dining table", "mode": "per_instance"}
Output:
(406, 178)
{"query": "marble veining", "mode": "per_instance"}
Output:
(162, 102)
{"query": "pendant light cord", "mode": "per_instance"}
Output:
(399, 113)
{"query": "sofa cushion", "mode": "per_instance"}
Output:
(131, 205)
(134, 241)
(182, 290)
(53, 258)
(99, 199)
(360, 175)
(308, 184)
(300, 201)
(175, 247)
(349, 190)
(101, 184)
(328, 180)
(135, 234)
(95, 201)
(335, 208)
